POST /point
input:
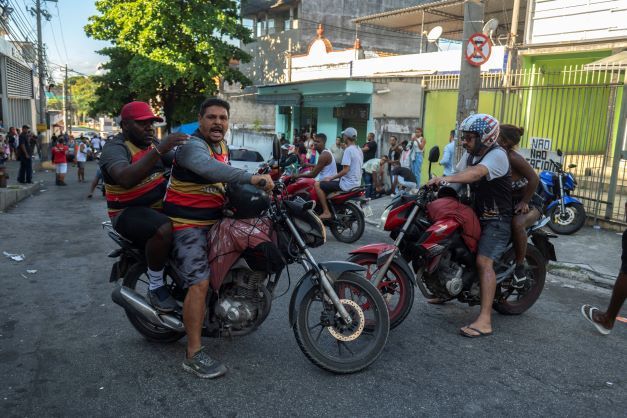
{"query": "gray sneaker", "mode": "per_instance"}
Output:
(203, 366)
(162, 300)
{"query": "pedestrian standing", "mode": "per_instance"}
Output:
(81, 160)
(604, 321)
(393, 160)
(370, 148)
(13, 141)
(71, 144)
(25, 155)
(337, 150)
(59, 158)
(418, 145)
(448, 156)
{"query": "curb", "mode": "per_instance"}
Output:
(580, 274)
(13, 194)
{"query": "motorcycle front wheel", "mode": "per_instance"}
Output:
(349, 223)
(570, 221)
(327, 341)
(396, 288)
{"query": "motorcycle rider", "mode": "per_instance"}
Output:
(133, 166)
(325, 167)
(193, 201)
(485, 167)
(527, 204)
(349, 177)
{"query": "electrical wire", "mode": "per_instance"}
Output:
(56, 5)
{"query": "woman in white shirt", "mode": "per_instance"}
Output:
(81, 159)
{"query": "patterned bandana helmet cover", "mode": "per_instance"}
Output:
(486, 126)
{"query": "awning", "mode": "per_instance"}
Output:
(329, 92)
(449, 14)
(617, 61)
(293, 99)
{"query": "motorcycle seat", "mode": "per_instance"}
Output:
(354, 189)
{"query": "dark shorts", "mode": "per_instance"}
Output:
(330, 186)
(494, 238)
(80, 164)
(139, 224)
(623, 257)
(190, 249)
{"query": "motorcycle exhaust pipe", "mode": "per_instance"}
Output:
(134, 302)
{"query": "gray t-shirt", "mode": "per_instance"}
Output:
(115, 152)
(195, 157)
(354, 158)
(495, 161)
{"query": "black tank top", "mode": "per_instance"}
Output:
(492, 199)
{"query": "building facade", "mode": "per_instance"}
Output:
(17, 88)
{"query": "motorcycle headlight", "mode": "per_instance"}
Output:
(384, 218)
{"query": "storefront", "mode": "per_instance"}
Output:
(324, 106)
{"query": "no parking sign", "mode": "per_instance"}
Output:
(478, 49)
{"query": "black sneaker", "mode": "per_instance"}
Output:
(203, 366)
(520, 278)
(161, 300)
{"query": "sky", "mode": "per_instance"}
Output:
(79, 51)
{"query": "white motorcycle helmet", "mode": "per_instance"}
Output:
(485, 126)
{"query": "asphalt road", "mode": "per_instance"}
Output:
(67, 350)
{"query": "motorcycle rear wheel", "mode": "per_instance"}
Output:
(397, 289)
(151, 332)
(349, 223)
(335, 347)
(575, 219)
(535, 266)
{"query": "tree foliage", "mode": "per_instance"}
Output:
(82, 91)
(167, 50)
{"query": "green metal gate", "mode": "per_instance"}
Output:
(578, 109)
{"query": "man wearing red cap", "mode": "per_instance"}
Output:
(133, 165)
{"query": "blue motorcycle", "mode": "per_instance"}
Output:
(566, 213)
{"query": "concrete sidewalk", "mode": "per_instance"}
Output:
(16, 192)
(590, 255)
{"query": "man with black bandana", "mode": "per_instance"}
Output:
(194, 201)
(485, 167)
(133, 166)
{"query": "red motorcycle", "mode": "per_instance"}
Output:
(435, 234)
(348, 221)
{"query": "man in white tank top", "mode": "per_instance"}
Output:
(326, 166)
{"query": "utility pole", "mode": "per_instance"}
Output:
(470, 76)
(65, 109)
(41, 120)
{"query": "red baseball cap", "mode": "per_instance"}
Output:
(138, 111)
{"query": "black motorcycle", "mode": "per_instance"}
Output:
(339, 319)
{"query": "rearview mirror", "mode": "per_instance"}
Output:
(572, 165)
(559, 152)
(434, 154)
(276, 149)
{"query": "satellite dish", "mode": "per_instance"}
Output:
(434, 34)
(490, 27)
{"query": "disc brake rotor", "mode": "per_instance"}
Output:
(569, 216)
(357, 315)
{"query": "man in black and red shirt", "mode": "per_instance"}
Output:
(133, 166)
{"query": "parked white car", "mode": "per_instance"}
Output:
(248, 159)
